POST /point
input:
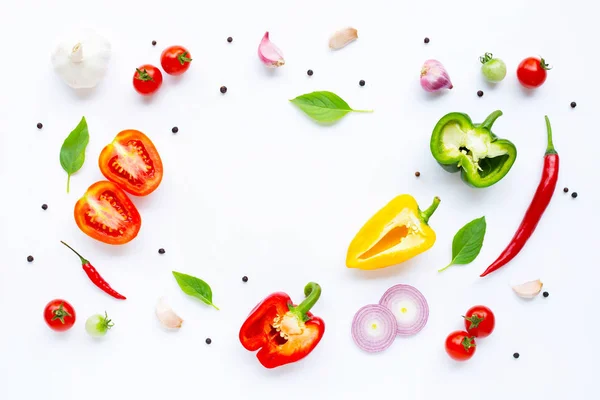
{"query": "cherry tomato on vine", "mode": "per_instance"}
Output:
(132, 162)
(147, 79)
(480, 321)
(59, 315)
(460, 346)
(532, 72)
(105, 213)
(175, 60)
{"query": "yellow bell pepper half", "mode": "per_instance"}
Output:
(396, 233)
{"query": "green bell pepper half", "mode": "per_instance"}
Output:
(459, 144)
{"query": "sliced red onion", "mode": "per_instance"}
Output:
(408, 306)
(374, 328)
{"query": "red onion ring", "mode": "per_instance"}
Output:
(374, 328)
(409, 307)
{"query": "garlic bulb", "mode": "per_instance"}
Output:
(82, 60)
(167, 316)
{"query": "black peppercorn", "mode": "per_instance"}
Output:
(516, 355)
(480, 93)
(573, 104)
(223, 89)
(44, 206)
(154, 43)
(161, 251)
(545, 294)
(175, 129)
(39, 125)
(229, 39)
(574, 195)
(245, 279)
(566, 190)
(417, 174)
(309, 72)
(30, 258)
(426, 40)
(208, 341)
(361, 82)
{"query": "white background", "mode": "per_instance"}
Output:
(253, 187)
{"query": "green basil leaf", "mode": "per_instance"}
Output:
(467, 242)
(72, 152)
(195, 287)
(324, 106)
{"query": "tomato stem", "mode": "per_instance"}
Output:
(486, 57)
(143, 75)
(474, 320)
(183, 58)
(61, 313)
(544, 65)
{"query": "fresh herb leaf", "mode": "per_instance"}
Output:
(72, 152)
(467, 242)
(324, 106)
(195, 287)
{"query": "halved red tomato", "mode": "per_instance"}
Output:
(132, 162)
(105, 213)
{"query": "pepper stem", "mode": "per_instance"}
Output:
(425, 215)
(550, 148)
(83, 260)
(312, 291)
(489, 121)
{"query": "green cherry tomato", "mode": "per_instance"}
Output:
(493, 69)
(97, 325)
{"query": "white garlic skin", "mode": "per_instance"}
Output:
(82, 60)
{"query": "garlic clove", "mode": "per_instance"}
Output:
(167, 316)
(434, 76)
(82, 59)
(342, 37)
(528, 290)
(270, 54)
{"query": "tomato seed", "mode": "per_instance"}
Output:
(426, 40)
(566, 190)
(223, 89)
(545, 294)
(39, 125)
(361, 82)
(229, 39)
(309, 72)
(417, 174)
(208, 341)
(516, 355)
(480, 93)
(154, 43)
(175, 129)
(244, 279)
(573, 104)
(30, 258)
(574, 195)
(161, 251)
(44, 206)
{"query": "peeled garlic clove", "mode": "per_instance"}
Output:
(270, 54)
(529, 290)
(434, 76)
(342, 37)
(81, 60)
(167, 316)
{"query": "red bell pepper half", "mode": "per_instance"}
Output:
(284, 332)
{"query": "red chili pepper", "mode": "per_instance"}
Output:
(95, 276)
(536, 209)
(283, 332)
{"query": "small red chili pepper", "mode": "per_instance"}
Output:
(536, 209)
(283, 332)
(95, 276)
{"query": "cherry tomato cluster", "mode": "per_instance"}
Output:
(60, 316)
(147, 79)
(479, 323)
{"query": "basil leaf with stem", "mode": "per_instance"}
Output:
(72, 152)
(195, 287)
(324, 106)
(467, 242)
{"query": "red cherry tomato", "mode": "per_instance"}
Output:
(460, 346)
(147, 79)
(59, 315)
(175, 60)
(480, 321)
(532, 72)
